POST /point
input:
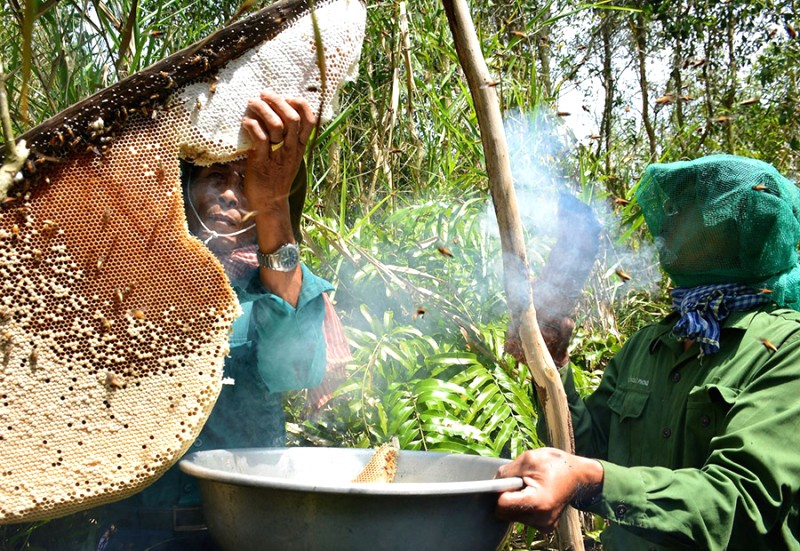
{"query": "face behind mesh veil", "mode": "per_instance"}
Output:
(725, 219)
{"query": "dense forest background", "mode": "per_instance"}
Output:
(399, 215)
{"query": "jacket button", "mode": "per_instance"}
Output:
(197, 443)
(705, 420)
(620, 510)
(675, 376)
(187, 488)
(666, 433)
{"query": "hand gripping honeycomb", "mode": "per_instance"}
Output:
(114, 321)
(382, 466)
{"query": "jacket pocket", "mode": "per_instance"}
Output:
(628, 405)
(706, 408)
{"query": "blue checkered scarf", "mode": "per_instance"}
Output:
(704, 308)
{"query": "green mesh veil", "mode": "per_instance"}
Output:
(725, 219)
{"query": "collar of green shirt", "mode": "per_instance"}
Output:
(663, 336)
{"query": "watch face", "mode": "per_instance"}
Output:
(289, 256)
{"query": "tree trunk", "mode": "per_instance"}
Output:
(677, 77)
(640, 38)
(730, 94)
(608, 87)
(543, 53)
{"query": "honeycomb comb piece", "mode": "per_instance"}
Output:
(382, 466)
(114, 321)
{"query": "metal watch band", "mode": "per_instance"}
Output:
(285, 259)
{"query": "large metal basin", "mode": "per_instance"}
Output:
(302, 499)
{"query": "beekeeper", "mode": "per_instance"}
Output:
(691, 439)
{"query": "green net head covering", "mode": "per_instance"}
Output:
(725, 219)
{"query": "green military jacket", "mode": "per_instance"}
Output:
(699, 453)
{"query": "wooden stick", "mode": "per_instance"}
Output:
(515, 265)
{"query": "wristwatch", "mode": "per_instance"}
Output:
(285, 259)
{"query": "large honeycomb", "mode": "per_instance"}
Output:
(114, 321)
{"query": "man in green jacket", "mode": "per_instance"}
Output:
(692, 439)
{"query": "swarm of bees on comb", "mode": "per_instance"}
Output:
(114, 321)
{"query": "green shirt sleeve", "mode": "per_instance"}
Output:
(290, 345)
(708, 459)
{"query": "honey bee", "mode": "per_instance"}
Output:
(119, 297)
(212, 87)
(138, 314)
(444, 252)
(5, 346)
(563, 113)
(170, 82)
(48, 226)
(113, 380)
(33, 359)
(106, 216)
(197, 104)
(490, 84)
(764, 291)
(760, 187)
(105, 325)
(622, 274)
(57, 139)
(200, 59)
(768, 345)
(420, 313)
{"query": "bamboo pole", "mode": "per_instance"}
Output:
(515, 265)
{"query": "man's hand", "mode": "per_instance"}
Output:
(553, 478)
(279, 129)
